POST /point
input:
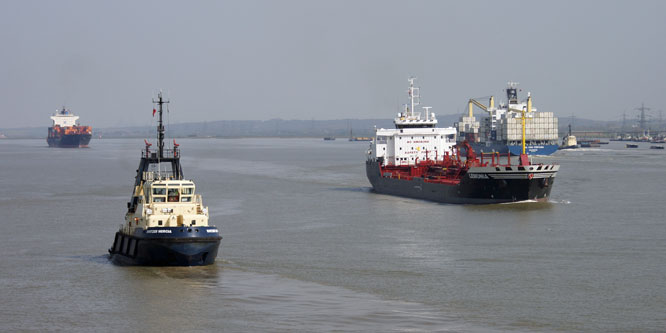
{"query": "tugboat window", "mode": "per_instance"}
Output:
(186, 199)
(173, 195)
(187, 191)
(159, 191)
(158, 199)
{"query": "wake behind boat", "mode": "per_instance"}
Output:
(166, 223)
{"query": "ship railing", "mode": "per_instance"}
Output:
(495, 158)
(168, 153)
(152, 175)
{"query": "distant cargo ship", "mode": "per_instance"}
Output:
(66, 133)
(501, 130)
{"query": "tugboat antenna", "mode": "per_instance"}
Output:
(160, 125)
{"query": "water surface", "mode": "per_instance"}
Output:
(308, 247)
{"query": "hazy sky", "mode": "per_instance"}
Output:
(230, 60)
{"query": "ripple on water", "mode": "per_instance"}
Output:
(271, 302)
(294, 304)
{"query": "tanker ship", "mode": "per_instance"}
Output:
(166, 223)
(66, 133)
(501, 130)
(417, 159)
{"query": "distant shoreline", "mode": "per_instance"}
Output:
(280, 128)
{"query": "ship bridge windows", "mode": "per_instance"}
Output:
(186, 194)
(173, 195)
(159, 194)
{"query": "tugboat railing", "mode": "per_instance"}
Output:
(168, 153)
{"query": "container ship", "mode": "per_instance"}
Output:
(500, 131)
(166, 223)
(66, 133)
(419, 160)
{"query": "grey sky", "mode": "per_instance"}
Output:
(225, 60)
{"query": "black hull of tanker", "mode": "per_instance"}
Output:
(69, 141)
(482, 190)
(169, 246)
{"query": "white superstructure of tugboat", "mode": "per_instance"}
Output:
(166, 223)
(419, 160)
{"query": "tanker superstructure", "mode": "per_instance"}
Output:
(66, 132)
(166, 223)
(419, 160)
(501, 130)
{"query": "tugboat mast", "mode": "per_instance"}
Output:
(160, 125)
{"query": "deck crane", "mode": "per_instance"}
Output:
(473, 102)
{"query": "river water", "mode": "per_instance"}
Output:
(308, 247)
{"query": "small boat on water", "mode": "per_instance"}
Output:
(591, 143)
(632, 145)
(329, 138)
(569, 141)
(166, 223)
(656, 147)
(360, 138)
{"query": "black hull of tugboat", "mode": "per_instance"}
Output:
(468, 191)
(168, 249)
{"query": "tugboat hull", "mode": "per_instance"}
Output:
(486, 187)
(166, 249)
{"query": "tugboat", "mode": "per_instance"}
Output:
(569, 141)
(66, 133)
(166, 223)
(419, 160)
